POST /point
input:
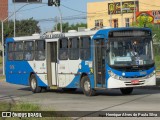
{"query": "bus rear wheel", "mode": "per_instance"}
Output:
(34, 84)
(126, 91)
(86, 86)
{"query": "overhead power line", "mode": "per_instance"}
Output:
(29, 9)
(82, 11)
(64, 18)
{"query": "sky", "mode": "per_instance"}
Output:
(43, 11)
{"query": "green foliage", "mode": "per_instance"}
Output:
(1, 61)
(146, 22)
(25, 107)
(66, 26)
(20, 107)
(4, 106)
(23, 28)
(157, 61)
(156, 48)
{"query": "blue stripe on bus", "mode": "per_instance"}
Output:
(76, 81)
(15, 69)
(15, 75)
(132, 74)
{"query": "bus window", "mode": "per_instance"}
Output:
(19, 46)
(74, 48)
(29, 50)
(40, 50)
(63, 49)
(11, 51)
(85, 48)
(18, 51)
(11, 47)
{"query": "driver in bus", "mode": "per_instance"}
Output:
(131, 53)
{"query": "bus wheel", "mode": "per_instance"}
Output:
(86, 86)
(126, 91)
(34, 85)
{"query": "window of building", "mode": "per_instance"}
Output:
(74, 48)
(127, 22)
(40, 50)
(63, 49)
(99, 23)
(85, 51)
(115, 23)
(29, 50)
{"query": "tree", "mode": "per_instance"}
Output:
(66, 26)
(145, 21)
(23, 28)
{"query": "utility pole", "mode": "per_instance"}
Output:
(110, 19)
(3, 47)
(57, 4)
(121, 15)
(111, 13)
(56, 22)
(60, 16)
(14, 20)
(134, 10)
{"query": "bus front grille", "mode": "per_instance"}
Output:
(128, 83)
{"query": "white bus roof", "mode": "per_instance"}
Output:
(74, 34)
(70, 34)
(33, 37)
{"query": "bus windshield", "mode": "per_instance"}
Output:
(130, 51)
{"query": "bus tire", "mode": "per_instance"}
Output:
(126, 91)
(34, 85)
(86, 86)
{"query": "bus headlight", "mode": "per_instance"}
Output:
(150, 75)
(113, 75)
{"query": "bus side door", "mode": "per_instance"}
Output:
(52, 63)
(99, 62)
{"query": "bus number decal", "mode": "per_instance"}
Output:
(11, 67)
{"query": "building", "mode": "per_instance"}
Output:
(110, 14)
(3, 9)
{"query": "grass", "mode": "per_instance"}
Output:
(7, 106)
(1, 62)
(4, 106)
(20, 107)
(25, 107)
(2, 78)
(157, 61)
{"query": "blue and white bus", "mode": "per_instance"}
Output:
(91, 60)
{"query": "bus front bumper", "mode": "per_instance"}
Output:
(131, 82)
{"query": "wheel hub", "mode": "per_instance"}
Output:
(87, 86)
(33, 83)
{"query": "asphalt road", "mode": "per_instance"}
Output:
(108, 100)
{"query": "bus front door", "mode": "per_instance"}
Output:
(52, 63)
(99, 61)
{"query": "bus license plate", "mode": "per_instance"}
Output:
(133, 82)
